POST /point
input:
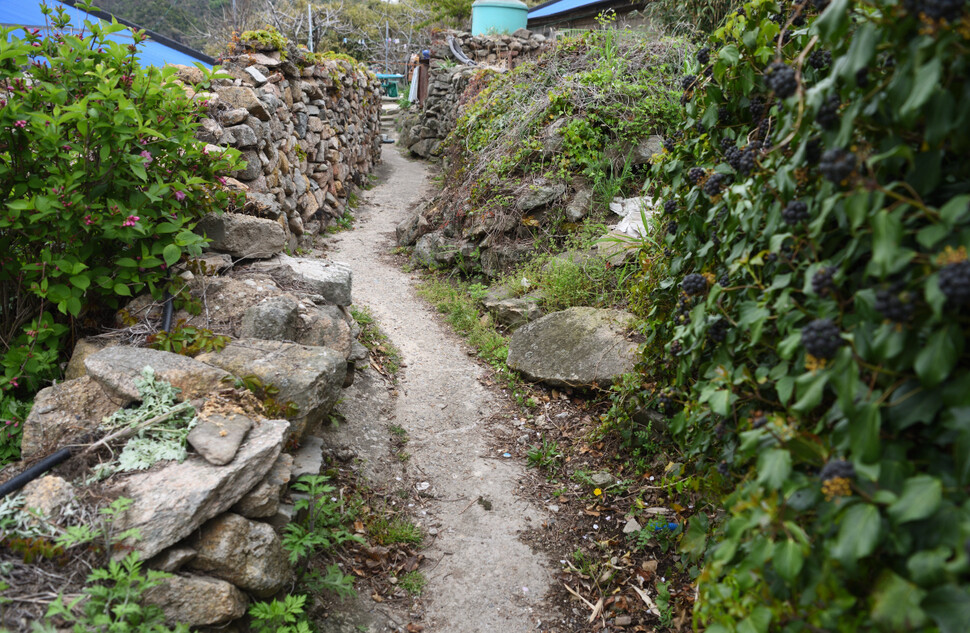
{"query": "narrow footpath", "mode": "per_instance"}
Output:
(481, 576)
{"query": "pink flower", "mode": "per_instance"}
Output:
(21, 123)
(147, 156)
(131, 220)
(88, 220)
(13, 381)
(221, 179)
(180, 195)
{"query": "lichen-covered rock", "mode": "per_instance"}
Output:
(246, 553)
(331, 280)
(197, 600)
(308, 377)
(273, 318)
(49, 496)
(173, 501)
(64, 411)
(264, 499)
(243, 235)
(575, 347)
(116, 368)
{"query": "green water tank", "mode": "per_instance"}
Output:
(490, 17)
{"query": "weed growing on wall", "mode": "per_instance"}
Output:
(809, 324)
(102, 182)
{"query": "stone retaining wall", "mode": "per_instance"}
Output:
(309, 131)
(423, 130)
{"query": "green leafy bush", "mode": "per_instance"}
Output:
(13, 412)
(102, 182)
(809, 315)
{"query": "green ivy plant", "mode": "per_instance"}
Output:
(102, 181)
(809, 323)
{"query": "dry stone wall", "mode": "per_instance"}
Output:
(309, 131)
(423, 129)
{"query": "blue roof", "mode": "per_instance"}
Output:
(150, 52)
(555, 7)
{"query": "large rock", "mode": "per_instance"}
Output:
(273, 318)
(533, 196)
(575, 347)
(309, 377)
(197, 600)
(246, 553)
(64, 411)
(264, 500)
(173, 501)
(116, 368)
(643, 153)
(514, 312)
(498, 259)
(82, 349)
(326, 326)
(243, 235)
(331, 280)
(416, 225)
(434, 248)
(579, 206)
(51, 497)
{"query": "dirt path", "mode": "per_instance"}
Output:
(481, 577)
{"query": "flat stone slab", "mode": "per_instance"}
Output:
(173, 501)
(116, 368)
(309, 377)
(243, 235)
(217, 437)
(308, 460)
(197, 600)
(331, 280)
(578, 347)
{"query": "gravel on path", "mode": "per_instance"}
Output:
(481, 575)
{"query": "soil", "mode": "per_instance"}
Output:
(461, 487)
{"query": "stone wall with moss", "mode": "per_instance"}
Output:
(308, 126)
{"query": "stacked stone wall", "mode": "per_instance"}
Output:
(423, 129)
(309, 131)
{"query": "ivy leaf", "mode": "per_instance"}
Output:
(729, 54)
(949, 607)
(938, 357)
(858, 534)
(896, 603)
(927, 80)
(920, 498)
(788, 559)
(774, 466)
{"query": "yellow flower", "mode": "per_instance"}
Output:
(597, 492)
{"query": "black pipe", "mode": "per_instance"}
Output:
(167, 312)
(16, 483)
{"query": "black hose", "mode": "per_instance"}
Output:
(16, 483)
(167, 312)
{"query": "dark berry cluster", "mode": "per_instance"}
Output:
(891, 304)
(695, 175)
(820, 59)
(669, 144)
(820, 4)
(715, 183)
(949, 10)
(764, 126)
(862, 77)
(756, 107)
(837, 165)
(955, 282)
(688, 82)
(781, 80)
(823, 280)
(797, 19)
(723, 115)
(694, 284)
(724, 281)
(671, 227)
(828, 112)
(718, 330)
(726, 144)
(704, 56)
(670, 206)
(666, 403)
(837, 468)
(795, 212)
(821, 339)
(699, 127)
(682, 312)
(723, 469)
(743, 160)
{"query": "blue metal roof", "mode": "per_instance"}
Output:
(150, 52)
(562, 6)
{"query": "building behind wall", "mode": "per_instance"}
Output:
(560, 15)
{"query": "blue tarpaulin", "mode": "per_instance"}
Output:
(27, 13)
(562, 6)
